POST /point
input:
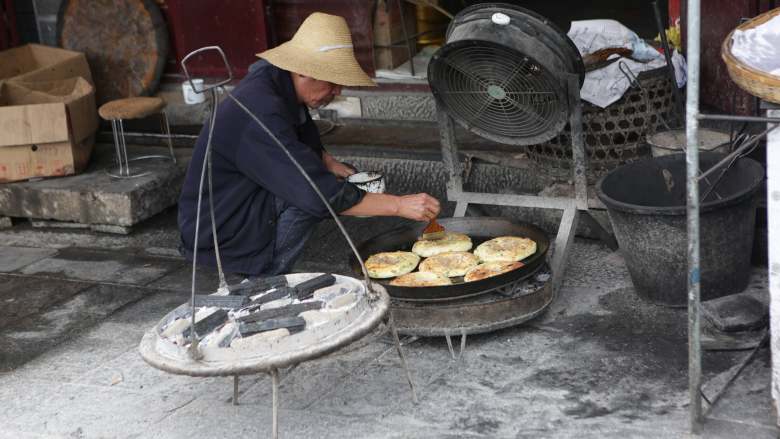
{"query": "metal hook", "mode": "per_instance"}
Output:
(210, 86)
(629, 74)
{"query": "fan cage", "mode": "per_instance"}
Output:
(498, 93)
(555, 37)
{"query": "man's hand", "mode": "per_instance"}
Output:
(336, 167)
(418, 207)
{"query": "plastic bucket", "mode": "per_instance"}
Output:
(646, 201)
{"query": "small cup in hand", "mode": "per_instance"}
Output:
(368, 181)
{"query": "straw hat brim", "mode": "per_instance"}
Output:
(337, 66)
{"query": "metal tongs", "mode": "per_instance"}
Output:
(634, 82)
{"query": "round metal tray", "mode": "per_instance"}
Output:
(365, 315)
(479, 229)
(508, 306)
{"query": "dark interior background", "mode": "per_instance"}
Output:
(636, 14)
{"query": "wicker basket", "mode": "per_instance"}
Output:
(753, 81)
(613, 135)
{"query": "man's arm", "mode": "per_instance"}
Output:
(262, 161)
(418, 207)
(336, 167)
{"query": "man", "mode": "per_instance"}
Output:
(264, 208)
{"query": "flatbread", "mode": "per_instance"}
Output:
(451, 242)
(490, 269)
(450, 264)
(421, 279)
(505, 249)
(391, 264)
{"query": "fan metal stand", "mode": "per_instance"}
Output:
(571, 207)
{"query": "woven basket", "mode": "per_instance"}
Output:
(753, 81)
(613, 135)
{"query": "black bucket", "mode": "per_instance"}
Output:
(646, 201)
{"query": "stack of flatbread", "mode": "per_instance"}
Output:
(449, 257)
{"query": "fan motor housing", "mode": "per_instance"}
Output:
(503, 74)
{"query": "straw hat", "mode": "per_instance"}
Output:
(322, 49)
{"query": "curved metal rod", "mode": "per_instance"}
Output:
(212, 86)
(193, 349)
(735, 154)
(222, 281)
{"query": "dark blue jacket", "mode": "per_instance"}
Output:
(249, 170)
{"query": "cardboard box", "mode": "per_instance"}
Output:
(34, 62)
(388, 29)
(46, 128)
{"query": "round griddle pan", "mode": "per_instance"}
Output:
(479, 229)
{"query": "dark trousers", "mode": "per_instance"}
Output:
(293, 229)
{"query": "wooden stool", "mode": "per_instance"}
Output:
(133, 108)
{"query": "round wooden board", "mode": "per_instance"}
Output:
(125, 41)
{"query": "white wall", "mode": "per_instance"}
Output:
(773, 200)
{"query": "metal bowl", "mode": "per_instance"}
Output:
(369, 181)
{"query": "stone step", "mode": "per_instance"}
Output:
(96, 200)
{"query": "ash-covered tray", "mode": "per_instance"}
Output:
(254, 330)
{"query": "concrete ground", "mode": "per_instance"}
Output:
(599, 363)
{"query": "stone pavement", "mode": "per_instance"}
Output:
(599, 363)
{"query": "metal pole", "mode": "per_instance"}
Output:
(235, 389)
(275, 399)
(391, 325)
(115, 130)
(669, 65)
(406, 36)
(692, 162)
(123, 145)
(167, 127)
(577, 143)
(731, 118)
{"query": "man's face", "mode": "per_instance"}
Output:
(313, 92)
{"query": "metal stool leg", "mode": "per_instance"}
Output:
(123, 147)
(167, 129)
(118, 152)
(123, 158)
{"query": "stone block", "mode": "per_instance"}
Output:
(387, 106)
(179, 112)
(94, 197)
(103, 228)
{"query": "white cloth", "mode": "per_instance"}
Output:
(604, 86)
(592, 35)
(759, 47)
